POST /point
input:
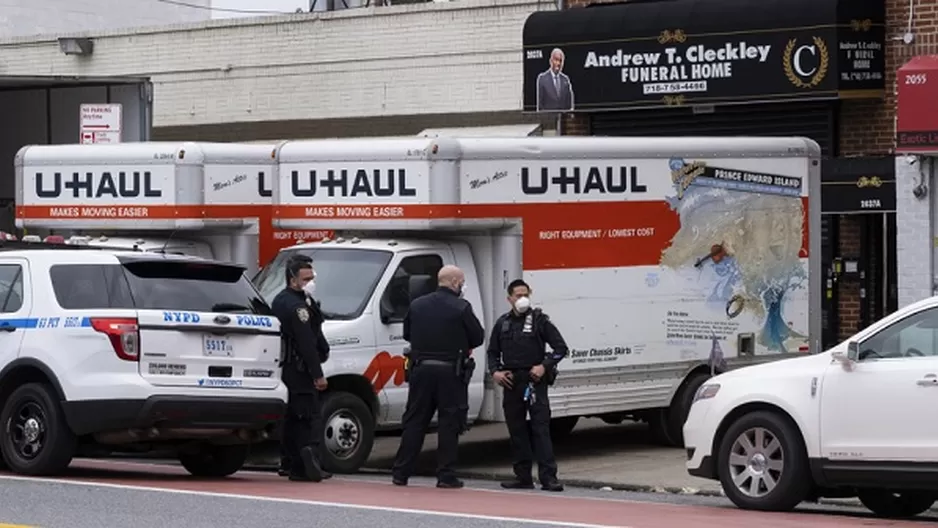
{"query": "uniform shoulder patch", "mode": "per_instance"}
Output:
(303, 314)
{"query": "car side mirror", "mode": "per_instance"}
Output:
(847, 359)
(853, 351)
(384, 314)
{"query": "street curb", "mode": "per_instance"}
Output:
(577, 483)
(587, 484)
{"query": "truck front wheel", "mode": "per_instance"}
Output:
(348, 432)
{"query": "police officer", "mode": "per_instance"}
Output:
(305, 348)
(442, 330)
(518, 362)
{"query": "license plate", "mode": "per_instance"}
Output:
(217, 346)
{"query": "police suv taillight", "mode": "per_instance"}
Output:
(123, 334)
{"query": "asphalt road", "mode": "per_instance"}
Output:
(104, 494)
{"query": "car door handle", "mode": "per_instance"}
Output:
(7, 328)
(930, 380)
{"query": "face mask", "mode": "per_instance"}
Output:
(462, 290)
(310, 288)
(522, 304)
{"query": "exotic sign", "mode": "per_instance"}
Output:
(610, 57)
(917, 106)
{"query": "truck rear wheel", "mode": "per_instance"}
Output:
(35, 438)
(348, 432)
(680, 407)
(561, 428)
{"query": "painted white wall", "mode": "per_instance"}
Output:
(915, 229)
(432, 58)
(35, 17)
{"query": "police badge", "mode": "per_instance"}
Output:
(303, 314)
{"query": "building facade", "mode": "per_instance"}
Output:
(356, 72)
(828, 72)
(22, 18)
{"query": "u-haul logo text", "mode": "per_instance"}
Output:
(121, 184)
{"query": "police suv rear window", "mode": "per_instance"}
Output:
(156, 285)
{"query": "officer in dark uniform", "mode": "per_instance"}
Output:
(304, 350)
(442, 330)
(518, 362)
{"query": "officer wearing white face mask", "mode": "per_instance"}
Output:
(304, 351)
(518, 361)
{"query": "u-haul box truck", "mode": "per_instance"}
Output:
(205, 199)
(661, 261)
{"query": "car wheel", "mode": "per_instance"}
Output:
(36, 439)
(348, 432)
(897, 505)
(560, 428)
(762, 463)
(215, 460)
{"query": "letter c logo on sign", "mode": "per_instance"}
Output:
(806, 65)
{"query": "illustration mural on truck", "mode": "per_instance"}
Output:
(740, 239)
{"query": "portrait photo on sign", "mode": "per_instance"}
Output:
(554, 89)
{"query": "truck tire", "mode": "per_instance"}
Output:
(680, 407)
(658, 420)
(348, 432)
(560, 428)
(215, 460)
(896, 505)
(35, 438)
(762, 463)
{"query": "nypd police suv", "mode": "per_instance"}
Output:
(105, 351)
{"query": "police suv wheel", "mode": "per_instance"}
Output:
(348, 432)
(215, 460)
(35, 439)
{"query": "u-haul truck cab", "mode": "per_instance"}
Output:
(204, 199)
(661, 261)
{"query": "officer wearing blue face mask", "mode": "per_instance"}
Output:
(518, 361)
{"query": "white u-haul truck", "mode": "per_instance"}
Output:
(660, 260)
(210, 200)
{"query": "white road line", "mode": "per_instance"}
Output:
(325, 504)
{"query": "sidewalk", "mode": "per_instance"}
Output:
(595, 455)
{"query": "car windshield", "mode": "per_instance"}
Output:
(345, 277)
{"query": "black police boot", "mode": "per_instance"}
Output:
(398, 481)
(551, 485)
(518, 484)
(450, 483)
(310, 465)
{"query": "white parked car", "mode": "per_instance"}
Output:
(859, 420)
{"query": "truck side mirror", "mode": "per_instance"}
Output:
(385, 314)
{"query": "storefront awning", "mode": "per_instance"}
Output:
(641, 54)
(917, 106)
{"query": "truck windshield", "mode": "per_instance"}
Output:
(345, 278)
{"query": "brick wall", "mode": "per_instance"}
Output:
(431, 58)
(35, 17)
